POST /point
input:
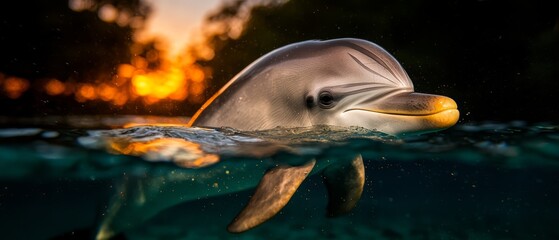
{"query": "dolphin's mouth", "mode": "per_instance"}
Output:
(401, 114)
(439, 111)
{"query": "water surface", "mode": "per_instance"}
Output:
(486, 180)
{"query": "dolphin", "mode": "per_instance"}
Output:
(341, 82)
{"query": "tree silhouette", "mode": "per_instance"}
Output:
(496, 58)
(48, 39)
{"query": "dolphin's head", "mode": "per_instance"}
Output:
(368, 88)
(341, 82)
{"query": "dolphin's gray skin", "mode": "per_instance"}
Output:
(341, 82)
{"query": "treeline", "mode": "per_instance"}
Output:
(498, 59)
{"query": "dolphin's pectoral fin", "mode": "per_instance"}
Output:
(130, 194)
(272, 194)
(345, 184)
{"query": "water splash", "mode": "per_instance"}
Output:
(106, 152)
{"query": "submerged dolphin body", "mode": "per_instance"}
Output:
(341, 82)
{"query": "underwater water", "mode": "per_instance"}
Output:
(62, 178)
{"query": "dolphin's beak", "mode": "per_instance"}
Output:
(435, 112)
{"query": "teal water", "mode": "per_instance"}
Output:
(486, 180)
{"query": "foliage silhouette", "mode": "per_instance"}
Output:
(497, 59)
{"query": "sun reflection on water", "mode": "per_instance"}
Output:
(179, 151)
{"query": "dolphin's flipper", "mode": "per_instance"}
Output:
(345, 184)
(272, 194)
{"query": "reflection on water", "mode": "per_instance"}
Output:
(483, 180)
(181, 152)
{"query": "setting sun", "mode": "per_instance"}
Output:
(162, 65)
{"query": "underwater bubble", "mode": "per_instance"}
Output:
(50, 134)
(19, 132)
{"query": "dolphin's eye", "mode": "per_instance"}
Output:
(326, 99)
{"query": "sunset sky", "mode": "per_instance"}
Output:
(177, 22)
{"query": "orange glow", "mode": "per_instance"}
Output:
(130, 125)
(150, 76)
(120, 99)
(80, 5)
(173, 80)
(180, 94)
(196, 74)
(123, 19)
(106, 92)
(55, 87)
(152, 56)
(14, 87)
(85, 92)
(107, 13)
(160, 85)
(154, 121)
(139, 62)
(205, 52)
(181, 152)
(125, 70)
(197, 89)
